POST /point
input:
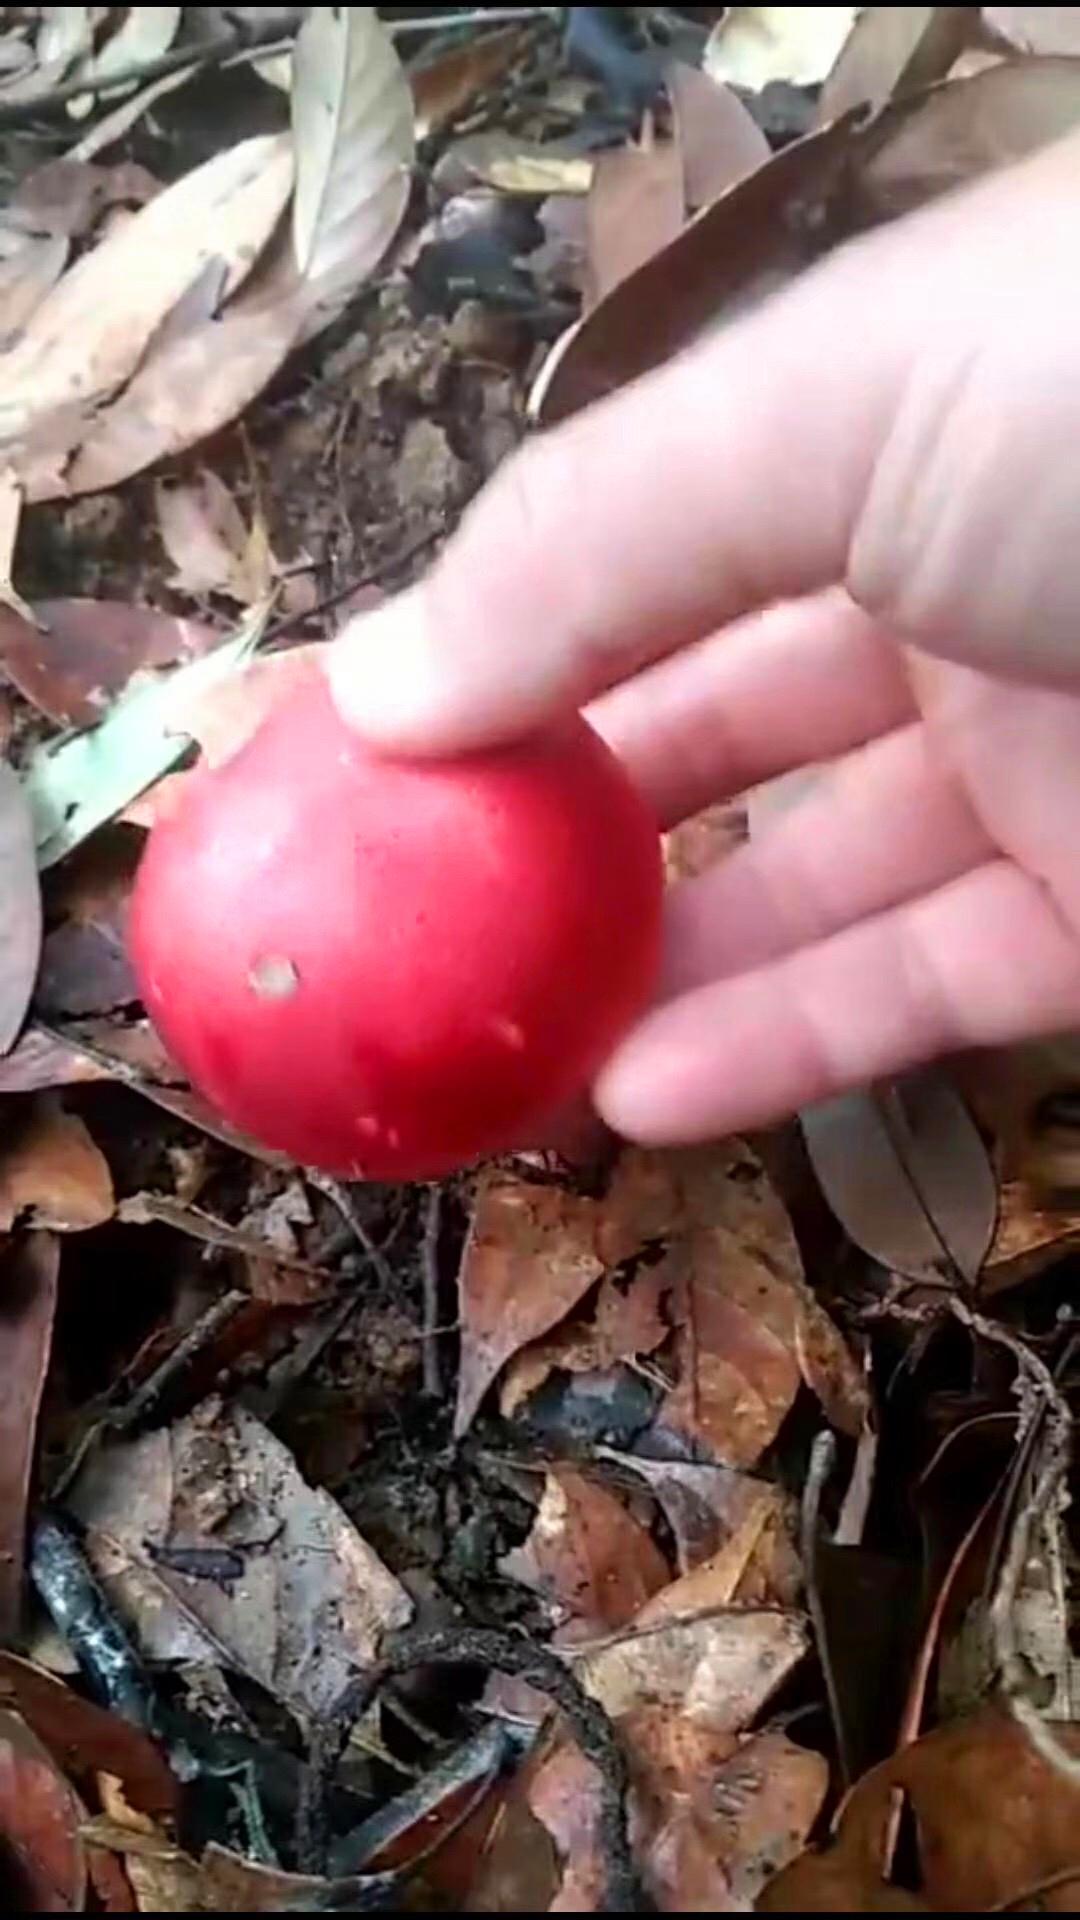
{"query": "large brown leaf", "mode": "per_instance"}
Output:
(42, 1859)
(51, 1172)
(587, 1552)
(84, 652)
(28, 1277)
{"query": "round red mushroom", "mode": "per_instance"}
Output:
(388, 968)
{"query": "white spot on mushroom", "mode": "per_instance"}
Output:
(273, 977)
(367, 1126)
(393, 1139)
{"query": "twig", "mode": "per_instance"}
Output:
(818, 1472)
(199, 53)
(449, 22)
(589, 1724)
(339, 1196)
(1019, 1901)
(288, 622)
(430, 1270)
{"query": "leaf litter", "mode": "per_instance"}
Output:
(719, 1414)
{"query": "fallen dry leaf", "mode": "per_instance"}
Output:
(31, 264)
(750, 46)
(528, 1259)
(891, 51)
(995, 1824)
(51, 1173)
(587, 1553)
(20, 923)
(907, 1175)
(352, 116)
(718, 138)
(635, 206)
(83, 653)
(143, 33)
(88, 335)
(757, 1566)
(85, 1741)
(43, 1855)
(625, 1323)
(443, 86)
(209, 542)
(68, 197)
(1035, 29)
(1030, 1237)
(710, 1509)
(715, 1670)
(28, 1286)
(313, 1598)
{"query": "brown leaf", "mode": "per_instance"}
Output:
(707, 1508)
(1035, 29)
(528, 1259)
(587, 1552)
(68, 197)
(44, 1862)
(209, 542)
(718, 138)
(757, 1566)
(907, 1175)
(748, 1329)
(42, 1060)
(20, 922)
(88, 335)
(229, 1884)
(84, 962)
(443, 86)
(995, 1822)
(85, 651)
(85, 1741)
(891, 51)
(52, 1172)
(625, 1323)
(715, 1670)
(314, 1599)
(805, 198)
(27, 1312)
(1029, 1238)
(635, 207)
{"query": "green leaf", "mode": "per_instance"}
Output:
(77, 785)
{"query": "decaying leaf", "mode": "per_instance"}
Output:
(78, 655)
(996, 1826)
(588, 1553)
(907, 1176)
(51, 1173)
(891, 51)
(715, 1669)
(88, 335)
(625, 1323)
(28, 1277)
(747, 1328)
(312, 1599)
(1030, 1237)
(718, 138)
(353, 128)
(43, 1855)
(750, 46)
(443, 86)
(83, 782)
(717, 1513)
(85, 1740)
(209, 542)
(20, 920)
(636, 205)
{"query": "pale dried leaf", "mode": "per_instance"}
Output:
(80, 784)
(750, 46)
(443, 86)
(87, 335)
(42, 1060)
(716, 1670)
(79, 655)
(907, 1176)
(706, 1507)
(514, 165)
(51, 1172)
(1030, 1237)
(719, 139)
(314, 1600)
(626, 1322)
(28, 1294)
(352, 116)
(587, 1553)
(892, 51)
(208, 541)
(757, 1566)
(143, 34)
(1035, 29)
(26, 275)
(635, 207)
(20, 920)
(113, 126)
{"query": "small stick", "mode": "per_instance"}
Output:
(432, 1226)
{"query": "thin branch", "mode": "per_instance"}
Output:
(430, 1257)
(198, 53)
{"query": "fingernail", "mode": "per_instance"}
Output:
(381, 674)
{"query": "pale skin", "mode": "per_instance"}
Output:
(845, 529)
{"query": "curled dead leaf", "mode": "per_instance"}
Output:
(51, 1172)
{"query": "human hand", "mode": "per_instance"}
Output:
(886, 458)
